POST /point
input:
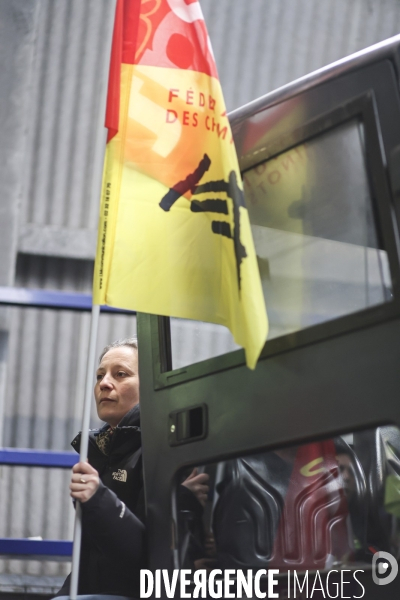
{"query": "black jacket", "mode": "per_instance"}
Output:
(112, 548)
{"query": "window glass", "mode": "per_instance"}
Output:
(314, 231)
(330, 504)
(193, 341)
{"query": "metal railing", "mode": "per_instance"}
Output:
(25, 548)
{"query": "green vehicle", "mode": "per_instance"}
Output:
(303, 454)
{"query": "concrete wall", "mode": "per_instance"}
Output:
(17, 31)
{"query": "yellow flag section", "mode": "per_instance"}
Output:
(174, 234)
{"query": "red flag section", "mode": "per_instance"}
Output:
(175, 36)
(161, 33)
(123, 50)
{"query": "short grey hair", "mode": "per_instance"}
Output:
(129, 342)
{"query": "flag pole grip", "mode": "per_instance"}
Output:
(91, 363)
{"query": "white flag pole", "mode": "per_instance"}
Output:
(91, 363)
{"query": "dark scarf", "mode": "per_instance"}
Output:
(104, 436)
(131, 421)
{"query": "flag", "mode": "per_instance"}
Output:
(174, 233)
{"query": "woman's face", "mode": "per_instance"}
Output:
(117, 386)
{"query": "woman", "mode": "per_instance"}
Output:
(110, 485)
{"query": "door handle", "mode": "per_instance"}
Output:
(187, 425)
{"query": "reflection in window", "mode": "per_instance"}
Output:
(193, 341)
(322, 505)
(314, 232)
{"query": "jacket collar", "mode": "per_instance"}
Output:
(129, 423)
(131, 419)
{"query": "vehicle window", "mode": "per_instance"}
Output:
(316, 240)
(315, 233)
(323, 505)
(193, 341)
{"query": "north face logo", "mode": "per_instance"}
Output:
(120, 475)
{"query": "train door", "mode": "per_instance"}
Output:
(302, 454)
